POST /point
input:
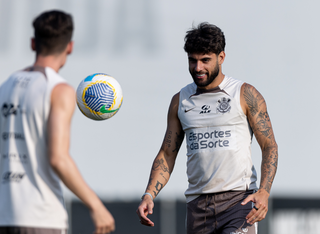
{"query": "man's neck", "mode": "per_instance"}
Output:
(52, 61)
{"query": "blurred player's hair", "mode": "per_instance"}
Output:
(52, 32)
(204, 39)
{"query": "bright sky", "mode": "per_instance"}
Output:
(273, 45)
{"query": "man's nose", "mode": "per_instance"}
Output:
(199, 66)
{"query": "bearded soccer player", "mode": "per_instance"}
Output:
(218, 115)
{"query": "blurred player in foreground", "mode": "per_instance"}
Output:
(218, 115)
(36, 111)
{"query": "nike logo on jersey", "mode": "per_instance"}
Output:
(187, 110)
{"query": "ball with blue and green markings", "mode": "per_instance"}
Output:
(99, 96)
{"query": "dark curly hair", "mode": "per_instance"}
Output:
(52, 32)
(204, 39)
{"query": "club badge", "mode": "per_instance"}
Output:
(223, 105)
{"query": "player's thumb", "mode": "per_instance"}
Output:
(245, 201)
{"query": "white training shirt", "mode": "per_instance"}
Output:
(218, 138)
(30, 191)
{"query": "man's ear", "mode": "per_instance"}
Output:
(221, 57)
(70, 47)
(33, 44)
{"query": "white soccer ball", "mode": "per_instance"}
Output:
(99, 96)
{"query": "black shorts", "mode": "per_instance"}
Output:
(30, 230)
(220, 213)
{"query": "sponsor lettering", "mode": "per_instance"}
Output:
(205, 109)
(22, 81)
(11, 109)
(23, 158)
(12, 177)
(12, 135)
(207, 135)
(214, 139)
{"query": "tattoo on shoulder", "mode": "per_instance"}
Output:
(159, 165)
(252, 98)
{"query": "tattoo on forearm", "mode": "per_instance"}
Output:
(159, 165)
(163, 177)
(167, 140)
(269, 167)
(149, 183)
(179, 140)
(261, 126)
(158, 188)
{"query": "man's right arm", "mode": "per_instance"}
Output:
(61, 112)
(164, 162)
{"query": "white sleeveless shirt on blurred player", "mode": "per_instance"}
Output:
(218, 138)
(30, 191)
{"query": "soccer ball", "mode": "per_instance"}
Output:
(99, 96)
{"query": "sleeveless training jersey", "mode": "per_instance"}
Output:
(218, 138)
(30, 191)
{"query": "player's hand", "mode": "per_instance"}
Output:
(145, 208)
(258, 213)
(103, 220)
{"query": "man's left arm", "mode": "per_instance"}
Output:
(255, 108)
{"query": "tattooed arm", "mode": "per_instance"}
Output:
(255, 108)
(164, 162)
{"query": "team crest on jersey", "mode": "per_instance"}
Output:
(223, 105)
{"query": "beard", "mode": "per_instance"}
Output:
(210, 79)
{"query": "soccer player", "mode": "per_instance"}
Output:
(36, 111)
(218, 116)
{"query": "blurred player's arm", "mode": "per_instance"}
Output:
(256, 111)
(59, 123)
(163, 163)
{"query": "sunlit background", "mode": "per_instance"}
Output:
(273, 45)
